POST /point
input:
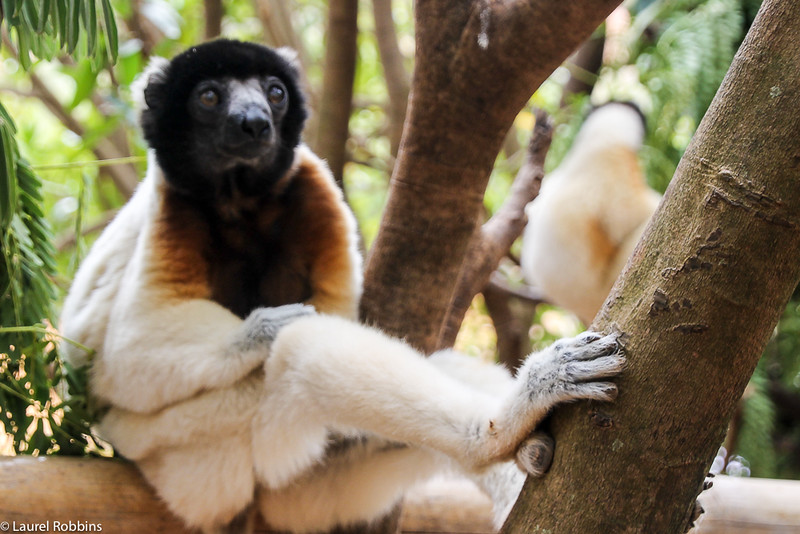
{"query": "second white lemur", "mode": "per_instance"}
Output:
(214, 371)
(590, 213)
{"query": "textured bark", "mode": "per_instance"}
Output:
(337, 85)
(697, 304)
(477, 64)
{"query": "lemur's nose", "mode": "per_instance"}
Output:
(256, 123)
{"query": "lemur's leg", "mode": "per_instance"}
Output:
(327, 374)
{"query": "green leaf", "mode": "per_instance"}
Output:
(73, 24)
(60, 22)
(24, 48)
(10, 9)
(90, 26)
(6, 118)
(8, 179)
(112, 39)
(44, 16)
(30, 15)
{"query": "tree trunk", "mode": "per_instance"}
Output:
(697, 303)
(477, 64)
(337, 85)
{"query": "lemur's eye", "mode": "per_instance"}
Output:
(209, 98)
(276, 94)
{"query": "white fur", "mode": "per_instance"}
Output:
(156, 70)
(589, 214)
(217, 415)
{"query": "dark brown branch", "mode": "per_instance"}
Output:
(337, 86)
(394, 71)
(493, 240)
(143, 29)
(511, 320)
(786, 401)
(584, 66)
(214, 13)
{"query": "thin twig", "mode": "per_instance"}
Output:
(491, 242)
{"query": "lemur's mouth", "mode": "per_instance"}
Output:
(253, 152)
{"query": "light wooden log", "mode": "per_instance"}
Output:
(750, 506)
(109, 493)
(112, 494)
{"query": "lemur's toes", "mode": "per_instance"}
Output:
(535, 454)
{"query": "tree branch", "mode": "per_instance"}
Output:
(125, 177)
(337, 86)
(584, 66)
(513, 342)
(214, 13)
(113, 494)
(69, 239)
(394, 71)
(493, 240)
(143, 29)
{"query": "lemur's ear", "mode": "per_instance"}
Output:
(148, 88)
(291, 56)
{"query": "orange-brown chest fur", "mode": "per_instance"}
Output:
(247, 253)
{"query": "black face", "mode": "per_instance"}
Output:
(237, 122)
(225, 115)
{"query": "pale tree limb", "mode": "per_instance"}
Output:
(276, 19)
(112, 494)
(584, 66)
(70, 239)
